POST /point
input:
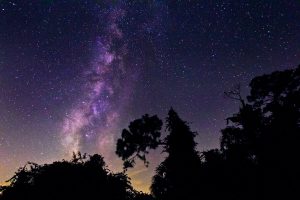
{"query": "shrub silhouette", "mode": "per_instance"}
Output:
(81, 178)
(258, 156)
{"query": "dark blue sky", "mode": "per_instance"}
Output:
(74, 73)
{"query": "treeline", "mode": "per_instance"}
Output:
(83, 177)
(258, 156)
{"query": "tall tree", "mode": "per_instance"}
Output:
(277, 96)
(263, 136)
(176, 177)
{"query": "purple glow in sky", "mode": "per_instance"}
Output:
(95, 119)
(73, 74)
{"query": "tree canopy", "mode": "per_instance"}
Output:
(258, 156)
(84, 177)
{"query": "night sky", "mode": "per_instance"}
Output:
(73, 74)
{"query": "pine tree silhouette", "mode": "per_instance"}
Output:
(176, 177)
(258, 156)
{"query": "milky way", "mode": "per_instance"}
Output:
(96, 118)
(73, 74)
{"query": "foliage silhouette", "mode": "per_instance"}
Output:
(143, 134)
(258, 156)
(261, 140)
(176, 176)
(81, 178)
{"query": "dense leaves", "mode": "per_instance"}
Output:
(258, 156)
(143, 134)
(81, 178)
(260, 143)
(177, 176)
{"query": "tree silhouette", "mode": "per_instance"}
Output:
(176, 176)
(261, 139)
(277, 96)
(81, 178)
(143, 134)
(258, 156)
